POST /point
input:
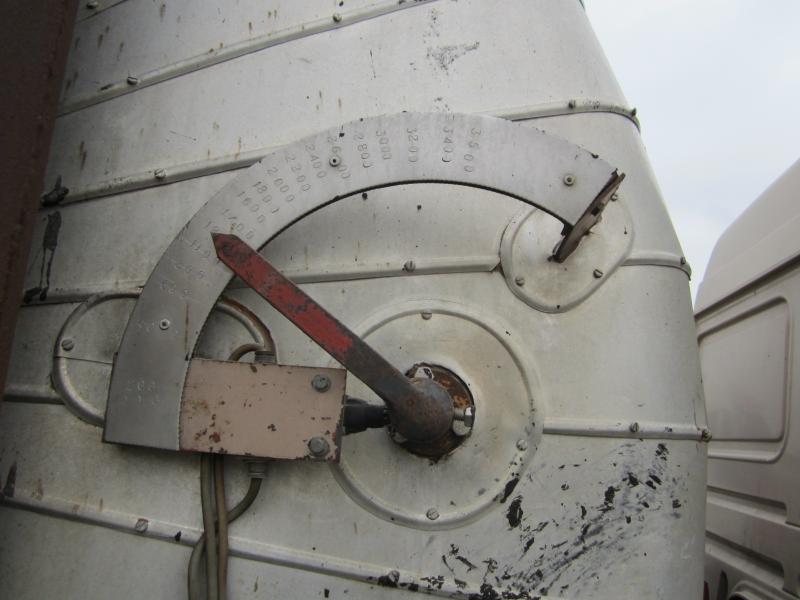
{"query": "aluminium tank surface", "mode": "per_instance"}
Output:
(584, 475)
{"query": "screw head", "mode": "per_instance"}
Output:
(633, 427)
(519, 280)
(432, 514)
(321, 383)
(569, 179)
(318, 446)
(409, 266)
(67, 344)
(132, 80)
(337, 18)
(141, 525)
(334, 161)
(426, 314)
(160, 174)
(522, 445)
(164, 324)
(597, 273)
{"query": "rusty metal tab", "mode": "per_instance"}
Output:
(268, 411)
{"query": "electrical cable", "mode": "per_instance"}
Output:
(206, 496)
(197, 552)
(222, 526)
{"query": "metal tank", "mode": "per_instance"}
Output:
(444, 182)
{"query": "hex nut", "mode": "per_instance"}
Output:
(569, 179)
(67, 344)
(318, 446)
(432, 514)
(164, 324)
(334, 161)
(160, 174)
(321, 383)
(633, 427)
(409, 266)
(141, 525)
(705, 434)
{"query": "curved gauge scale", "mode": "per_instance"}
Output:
(542, 170)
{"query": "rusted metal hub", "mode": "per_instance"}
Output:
(433, 380)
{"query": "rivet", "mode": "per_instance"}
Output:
(409, 266)
(432, 514)
(67, 344)
(337, 18)
(318, 446)
(92, 4)
(633, 112)
(132, 80)
(572, 104)
(597, 273)
(683, 260)
(164, 324)
(334, 161)
(321, 383)
(569, 179)
(141, 525)
(519, 280)
(633, 427)
(522, 445)
(160, 174)
(614, 197)
(426, 314)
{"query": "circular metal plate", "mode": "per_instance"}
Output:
(401, 487)
(485, 152)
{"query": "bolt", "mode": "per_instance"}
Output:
(321, 383)
(141, 525)
(265, 357)
(93, 4)
(522, 445)
(334, 161)
(132, 80)
(409, 266)
(614, 197)
(164, 324)
(569, 179)
(465, 416)
(426, 314)
(432, 514)
(519, 280)
(633, 427)
(597, 273)
(318, 446)
(67, 344)
(337, 18)
(705, 434)
(572, 104)
(160, 174)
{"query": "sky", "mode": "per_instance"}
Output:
(717, 88)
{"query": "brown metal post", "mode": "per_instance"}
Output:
(36, 38)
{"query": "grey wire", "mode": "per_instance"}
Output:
(207, 494)
(197, 552)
